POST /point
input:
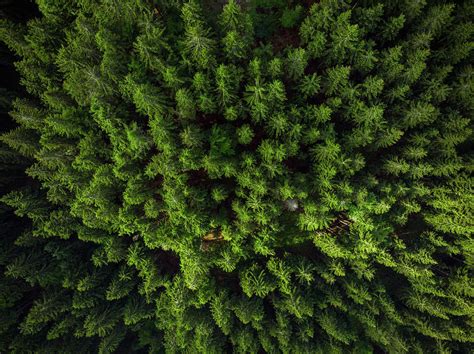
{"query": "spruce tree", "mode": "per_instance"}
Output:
(261, 176)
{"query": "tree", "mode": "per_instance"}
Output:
(180, 176)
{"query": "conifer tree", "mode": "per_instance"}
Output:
(261, 176)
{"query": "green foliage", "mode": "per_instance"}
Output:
(258, 176)
(291, 16)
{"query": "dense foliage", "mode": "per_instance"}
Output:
(274, 176)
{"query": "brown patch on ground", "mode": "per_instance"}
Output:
(214, 235)
(338, 226)
(285, 37)
(212, 238)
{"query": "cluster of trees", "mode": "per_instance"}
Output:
(184, 183)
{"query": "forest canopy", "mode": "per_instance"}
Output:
(259, 176)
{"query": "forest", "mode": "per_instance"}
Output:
(237, 176)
